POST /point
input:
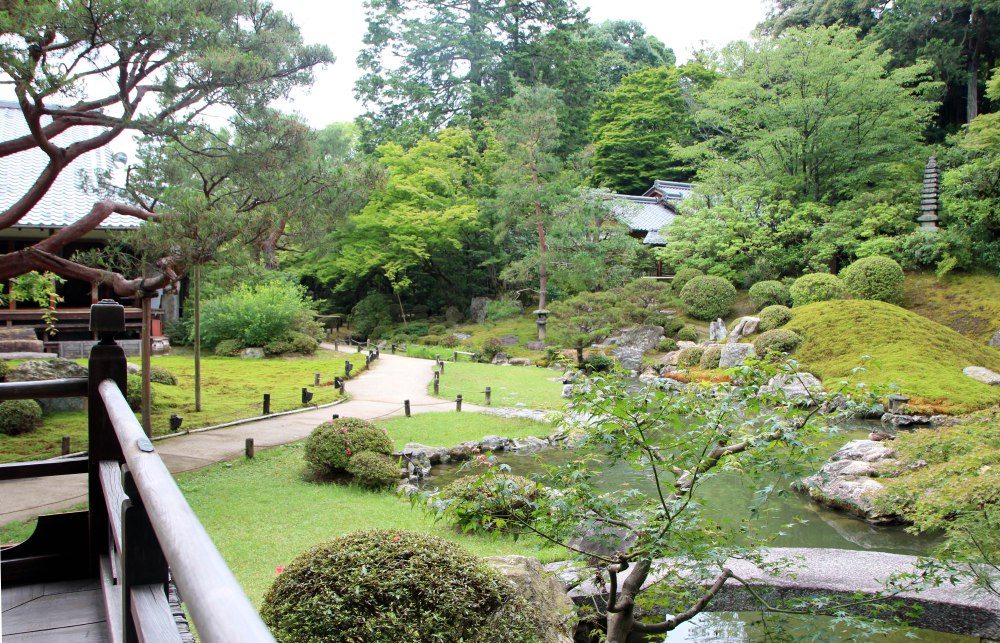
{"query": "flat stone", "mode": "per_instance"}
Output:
(536, 346)
(529, 444)
(252, 353)
(903, 420)
(735, 355)
(682, 344)
(984, 375)
(461, 336)
(520, 361)
(494, 443)
(847, 481)
(509, 340)
(670, 358)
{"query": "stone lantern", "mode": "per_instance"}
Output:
(543, 318)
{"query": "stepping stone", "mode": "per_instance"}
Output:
(984, 375)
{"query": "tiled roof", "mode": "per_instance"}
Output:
(670, 190)
(643, 214)
(67, 200)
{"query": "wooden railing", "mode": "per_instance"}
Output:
(139, 532)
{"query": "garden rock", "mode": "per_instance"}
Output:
(462, 451)
(556, 613)
(984, 375)
(134, 369)
(50, 369)
(900, 420)
(847, 481)
(682, 344)
(461, 336)
(648, 374)
(452, 315)
(500, 359)
(717, 330)
(567, 391)
(669, 384)
(570, 376)
(629, 357)
(252, 353)
(536, 346)
(508, 340)
(632, 343)
(601, 539)
(995, 340)
(520, 361)
(477, 309)
(418, 464)
(435, 455)
(735, 354)
(799, 388)
(745, 326)
(670, 358)
(494, 443)
(529, 444)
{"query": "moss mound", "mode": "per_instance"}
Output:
(389, 585)
(923, 357)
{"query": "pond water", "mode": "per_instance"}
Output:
(727, 499)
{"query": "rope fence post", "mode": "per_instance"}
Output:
(488, 394)
(458, 403)
(64, 446)
(347, 367)
(249, 448)
(454, 356)
(437, 382)
(406, 408)
(267, 404)
(315, 379)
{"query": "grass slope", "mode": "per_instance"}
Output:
(232, 388)
(509, 385)
(924, 358)
(450, 428)
(969, 304)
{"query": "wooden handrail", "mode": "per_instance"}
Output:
(218, 606)
(57, 467)
(68, 387)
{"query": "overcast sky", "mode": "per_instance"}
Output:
(684, 25)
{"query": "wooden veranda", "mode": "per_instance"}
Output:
(110, 573)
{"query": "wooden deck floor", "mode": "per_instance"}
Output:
(63, 611)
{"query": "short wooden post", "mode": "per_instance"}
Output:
(393, 349)
(336, 344)
(65, 445)
(458, 403)
(249, 447)
(315, 379)
(307, 396)
(343, 387)
(267, 404)
(488, 393)
(359, 347)
(347, 367)
(437, 381)
(441, 366)
(454, 356)
(406, 407)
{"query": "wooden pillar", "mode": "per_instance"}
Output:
(197, 339)
(146, 351)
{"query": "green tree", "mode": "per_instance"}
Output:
(637, 130)
(585, 318)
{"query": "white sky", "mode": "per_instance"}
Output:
(684, 25)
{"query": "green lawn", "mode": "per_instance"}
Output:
(232, 388)
(450, 428)
(510, 385)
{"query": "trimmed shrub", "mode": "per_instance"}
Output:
(683, 276)
(4, 369)
(229, 347)
(666, 345)
(774, 317)
(818, 286)
(502, 309)
(491, 346)
(708, 297)
(19, 416)
(768, 293)
(389, 585)
(370, 314)
(292, 342)
(874, 277)
(687, 334)
(710, 357)
(671, 325)
(161, 375)
(779, 340)
(256, 314)
(598, 363)
(373, 470)
(133, 394)
(690, 356)
(331, 445)
(488, 503)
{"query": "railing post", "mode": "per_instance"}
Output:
(107, 361)
(142, 559)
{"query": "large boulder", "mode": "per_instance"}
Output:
(981, 374)
(799, 389)
(19, 339)
(50, 369)
(556, 621)
(477, 309)
(744, 327)
(453, 315)
(847, 481)
(631, 344)
(735, 354)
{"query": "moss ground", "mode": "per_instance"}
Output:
(969, 304)
(450, 428)
(922, 357)
(232, 388)
(529, 386)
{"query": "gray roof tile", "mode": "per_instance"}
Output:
(643, 214)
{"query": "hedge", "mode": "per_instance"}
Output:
(708, 297)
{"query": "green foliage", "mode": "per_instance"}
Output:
(778, 341)
(710, 357)
(638, 129)
(37, 288)
(683, 276)
(371, 313)
(768, 293)
(331, 445)
(373, 470)
(671, 325)
(161, 375)
(874, 277)
(490, 347)
(819, 286)
(291, 342)
(687, 334)
(690, 356)
(133, 392)
(598, 363)
(774, 317)
(584, 318)
(666, 345)
(498, 309)
(229, 347)
(645, 298)
(19, 416)
(4, 369)
(254, 315)
(497, 503)
(383, 583)
(708, 297)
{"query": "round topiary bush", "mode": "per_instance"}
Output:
(477, 504)
(19, 416)
(818, 286)
(329, 447)
(683, 276)
(874, 277)
(389, 585)
(768, 293)
(774, 317)
(133, 393)
(708, 297)
(373, 470)
(671, 325)
(491, 346)
(666, 345)
(710, 357)
(690, 356)
(687, 334)
(779, 340)
(229, 347)
(161, 375)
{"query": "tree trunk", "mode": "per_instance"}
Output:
(976, 24)
(197, 339)
(399, 301)
(579, 353)
(622, 620)
(147, 347)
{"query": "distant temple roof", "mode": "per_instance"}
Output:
(651, 212)
(669, 190)
(67, 200)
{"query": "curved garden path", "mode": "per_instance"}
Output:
(378, 392)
